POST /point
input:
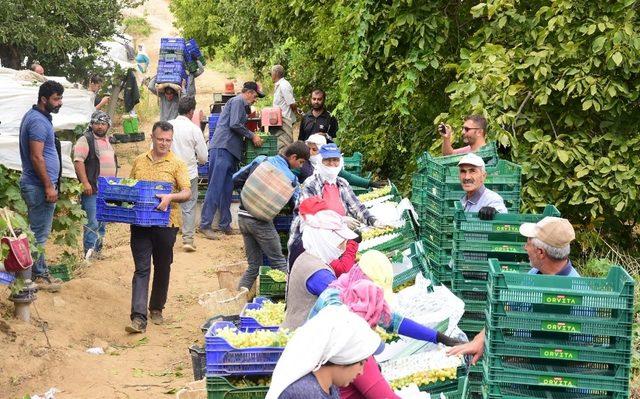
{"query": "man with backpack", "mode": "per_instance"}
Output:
(265, 186)
(93, 156)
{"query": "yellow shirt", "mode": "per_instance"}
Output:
(169, 169)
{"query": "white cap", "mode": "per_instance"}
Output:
(471, 159)
(317, 139)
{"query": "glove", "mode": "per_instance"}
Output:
(487, 213)
(377, 184)
(352, 223)
(446, 340)
(358, 239)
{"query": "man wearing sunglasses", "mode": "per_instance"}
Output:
(473, 135)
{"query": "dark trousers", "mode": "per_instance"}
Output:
(147, 243)
(222, 166)
(259, 237)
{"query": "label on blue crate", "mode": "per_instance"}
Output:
(557, 381)
(506, 228)
(557, 353)
(560, 299)
(561, 326)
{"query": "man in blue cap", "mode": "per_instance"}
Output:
(337, 193)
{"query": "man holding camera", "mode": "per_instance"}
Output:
(473, 135)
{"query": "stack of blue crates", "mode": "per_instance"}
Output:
(131, 204)
(194, 55)
(213, 121)
(172, 60)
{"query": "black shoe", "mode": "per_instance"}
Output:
(137, 326)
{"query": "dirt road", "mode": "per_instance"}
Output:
(93, 309)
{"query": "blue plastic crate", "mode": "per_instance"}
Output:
(6, 278)
(213, 121)
(250, 324)
(283, 223)
(203, 170)
(171, 57)
(109, 188)
(172, 44)
(165, 67)
(142, 214)
(193, 49)
(223, 359)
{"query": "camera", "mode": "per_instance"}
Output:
(442, 129)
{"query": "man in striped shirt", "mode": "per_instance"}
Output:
(93, 156)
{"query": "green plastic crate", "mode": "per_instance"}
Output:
(130, 124)
(353, 163)
(425, 201)
(60, 271)
(427, 162)
(520, 391)
(268, 287)
(419, 265)
(442, 189)
(483, 266)
(269, 148)
(436, 238)
(502, 222)
(613, 292)
(402, 242)
(555, 346)
(544, 372)
(222, 388)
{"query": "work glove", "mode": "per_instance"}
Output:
(352, 223)
(358, 239)
(377, 184)
(446, 340)
(487, 213)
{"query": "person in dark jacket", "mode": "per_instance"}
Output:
(318, 119)
(93, 156)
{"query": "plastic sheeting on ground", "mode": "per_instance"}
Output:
(10, 155)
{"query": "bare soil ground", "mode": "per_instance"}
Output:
(93, 308)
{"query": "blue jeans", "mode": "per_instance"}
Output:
(222, 166)
(93, 230)
(40, 214)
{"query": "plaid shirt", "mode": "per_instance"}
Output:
(352, 205)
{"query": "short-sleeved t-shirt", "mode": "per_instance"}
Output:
(169, 169)
(307, 387)
(103, 148)
(36, 126)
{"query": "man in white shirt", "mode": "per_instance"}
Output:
(283, 98)
(189, 146)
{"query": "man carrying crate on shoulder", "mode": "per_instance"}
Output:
(548, 247)
(154, 242)
(266, 185)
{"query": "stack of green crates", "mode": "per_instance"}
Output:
(227, 388)
(474, 242)
(269, 148)
(353, 164)
(558, 336)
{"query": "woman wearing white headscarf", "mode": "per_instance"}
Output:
(326, 353)
(324, 237)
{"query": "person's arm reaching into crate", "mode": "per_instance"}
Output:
(238, 116)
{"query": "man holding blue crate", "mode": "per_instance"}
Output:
(93, 156)
(225, 152)
(188, 145)
(548, 247)
(147, 243)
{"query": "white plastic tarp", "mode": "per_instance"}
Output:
(10, 155)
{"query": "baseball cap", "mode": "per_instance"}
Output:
(253, 86)
(551, 230)
(330, 151)
(471, 159)
(317, 139)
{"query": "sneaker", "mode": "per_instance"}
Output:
(89, 254)
(156, 317)
(209, 234)
(189, 247)
(47, 283)
(137, 326)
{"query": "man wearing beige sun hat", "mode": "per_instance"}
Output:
(548, 247)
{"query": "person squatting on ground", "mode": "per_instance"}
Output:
(156, 243)
(93, 156)
(189, 146)
(41, 158)
(260, 236)
(225, 152)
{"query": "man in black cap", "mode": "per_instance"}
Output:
(225, 152)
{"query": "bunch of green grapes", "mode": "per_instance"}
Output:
(425, 378)
(403, 286)
(271, 314)
(245, 382)
(258, 338)
(376, 232)
(277, 275)
(387, 336)
(376, 193)
(124, 182)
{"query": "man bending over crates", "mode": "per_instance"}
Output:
(93, 156)
(158, 164)
(477, 197)
(267, 184)
(548, 247)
